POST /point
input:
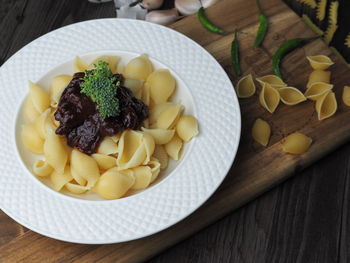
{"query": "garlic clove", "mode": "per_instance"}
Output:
(163, 17)
(187, 7)
(151, 4)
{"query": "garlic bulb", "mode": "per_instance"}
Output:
(162, 17)
(189, 7)
(151, 4)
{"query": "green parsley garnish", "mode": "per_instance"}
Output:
(99, 84)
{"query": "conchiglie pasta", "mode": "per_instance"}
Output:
(291, 96)
(320, 62)
(346, 95)
(161, 155)
(135, 85)
(168, 118)
(143, 176)
(58, 84)
(55, 152)
(59, 180)
(273, 80)
(138, 68)
(107, 146)
(149, 143)
(162, 85)
(157, 109)
(80, 65)
(104, 162)
(40, 123)
(78, 178)
(269, 98)
(154, 164)
(111, 60)
(173, 148)
(317, 89)
(42, 168)
(39, 97)
(131, 150)
(245, 87)
(319, 76)
(146, 94)
(114, 184)
(76, 188)
(187, 127)
(326, 106)
(31, 139)
(296, 143)
(261, 132)
(85, 166)
(160, 136)
(30, 113)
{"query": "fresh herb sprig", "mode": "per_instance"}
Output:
(99, 84)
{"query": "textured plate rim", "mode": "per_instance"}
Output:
(193, 208)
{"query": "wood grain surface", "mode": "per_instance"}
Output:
(256, 169)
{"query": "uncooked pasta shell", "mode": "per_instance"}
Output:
(269, 98)
(320, 62)
(291, 96)
(273, 80)
(245, 87)
(317, 89)
(326, 106)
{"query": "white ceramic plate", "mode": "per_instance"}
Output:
(204, 89)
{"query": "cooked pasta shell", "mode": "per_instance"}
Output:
(296, 143)
(59, 180)
(162, 85)
(168, 118)
(115, 138)
(55, 152)
(120, 68)
(40, 98)
(346, 95)
(261, 132)
(76, 188)
(30, 112)
(269, 98)
(154, 164)
(157, 109)
(85, 166)
(135, 85)
(149, 143)
(146, 94)
(40, 123)
(291, 95)
(58, 84)
(143, 176)
(161, 155)
(114, 184)
(138, 68)
(273, 80)
(104, 162)
(173, 147)
(111, 60)
(80, 65)
(107, 146)
(187, 127)
(245, 87)
(131, 150)
(317, 89)
(42, 168)
(49, 126)
(319, 76)
(78, 178)
(160, 136)
(321, 62)
(326, 106)
(31, 139)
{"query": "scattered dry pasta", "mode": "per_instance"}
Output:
(330, 31)
(319, 76)
(269, 98)
(245, 87)
(311, 24)
(317, 89)
(326, 106)
(321, 10)
(310, 3)
(123, 163)
(347, 41)
(273, 80)
(296, 143)
(261, 132)
(320, 62)
(346, 95)
(291, 96)
(333, 13)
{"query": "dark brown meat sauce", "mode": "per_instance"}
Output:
(81, 123)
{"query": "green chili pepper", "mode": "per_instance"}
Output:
(260, 35)
(235, 55)
(207, 24)
(284, 49)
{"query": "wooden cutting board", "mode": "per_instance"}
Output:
(256, 169)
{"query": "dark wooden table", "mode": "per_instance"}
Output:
(305, 219)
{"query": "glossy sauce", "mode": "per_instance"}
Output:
(81, 123)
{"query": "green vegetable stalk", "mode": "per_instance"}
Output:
(263, 24)
(99, 84)
(286, 48)
(235, 55)
(207, 24)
